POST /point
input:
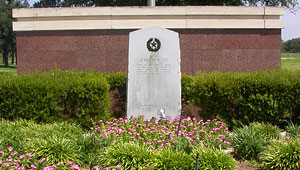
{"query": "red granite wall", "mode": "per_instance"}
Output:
(107, 50)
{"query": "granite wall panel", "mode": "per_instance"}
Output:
(206, 50)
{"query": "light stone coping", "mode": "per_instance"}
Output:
(183, 17)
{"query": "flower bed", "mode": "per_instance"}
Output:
(158, 133)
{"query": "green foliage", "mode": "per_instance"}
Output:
(58, 142)
(55, 96)
(186, 88)
(168, 158)
(134, 156)
(129, 156)
(249, 141)
(54, 149)
(91, 147)
(266, 96)
(282, 155)
(11, 135)
(292, 45)
(117, 82)
(293, 129)
(211, 158)
(53, 141)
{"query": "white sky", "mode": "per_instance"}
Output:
(292, 23)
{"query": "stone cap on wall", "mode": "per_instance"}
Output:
(180, 17)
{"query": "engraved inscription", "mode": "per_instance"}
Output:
(153, 65)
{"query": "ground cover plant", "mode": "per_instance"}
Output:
(249, 141)
(10, 159)
(65, 142)
(282, 154)
(158, 133)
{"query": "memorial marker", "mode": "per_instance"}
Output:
(154, 77)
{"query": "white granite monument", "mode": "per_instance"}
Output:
(154, 77)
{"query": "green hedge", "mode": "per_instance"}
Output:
(268, 96)
(55, 96)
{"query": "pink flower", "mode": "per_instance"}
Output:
(32, 166)
(118, 166)
(69, 163)
(147, 165)
(30, 155)
(21, 157)
(2, 153)
(42, 160)
(10, 149)
(96, 168)
(106, 168)
(59, 163)
(75, 167)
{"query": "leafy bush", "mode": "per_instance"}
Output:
(212, 158)
(129, 156)
(160, 133)
(282, 155)
(168, 158)
(293, 129)
(54, 149)
(55, 96)
(249, 141)
(266, 96)
(117, 82)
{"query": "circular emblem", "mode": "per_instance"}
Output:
(153, 44)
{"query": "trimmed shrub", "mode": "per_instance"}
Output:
(249, 141)
(48, 97)
(284, 155)
(117, 82)
(266, 96)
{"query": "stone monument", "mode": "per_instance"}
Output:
(154, 77)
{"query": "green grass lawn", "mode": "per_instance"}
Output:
(290, 61)
(11, 69)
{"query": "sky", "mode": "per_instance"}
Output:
(292, 23)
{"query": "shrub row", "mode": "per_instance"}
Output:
(55, 96)
(266, 96)
(270, 96)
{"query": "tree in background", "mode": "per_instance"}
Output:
(292, 46)
(7, 36)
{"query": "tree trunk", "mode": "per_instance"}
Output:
(5, 58)
(12, 59)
